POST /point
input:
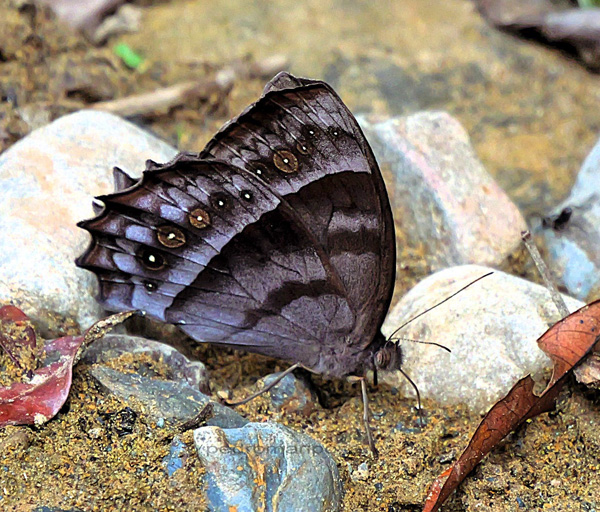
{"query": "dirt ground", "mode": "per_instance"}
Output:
(83, 458)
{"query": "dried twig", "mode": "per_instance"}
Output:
(545, 273)
(205, 414)
(162, 100)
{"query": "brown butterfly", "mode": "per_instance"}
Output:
(277, 238)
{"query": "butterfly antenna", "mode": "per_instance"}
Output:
(439, 303)
(420, 341)
(420, 409)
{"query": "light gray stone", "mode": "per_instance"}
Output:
(175, 401)
(181, 368)
(267, 467)
(491, 327)
(574, 247)
(48, 181)
(442, 197)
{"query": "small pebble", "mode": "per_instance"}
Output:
(95, 433)
(293, 394)
(225, 394)
(446, 458)
(18, 440)
(361, 473)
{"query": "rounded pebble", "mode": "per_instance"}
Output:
(443, 199)
(48, 181)
(491, 328)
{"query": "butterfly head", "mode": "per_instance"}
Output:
(388, 357)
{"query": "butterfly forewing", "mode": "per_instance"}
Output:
(338, 190)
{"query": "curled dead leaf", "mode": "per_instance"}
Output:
(567, 343)
(39, 398)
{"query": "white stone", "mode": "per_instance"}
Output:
(491, 328)
(48, 181)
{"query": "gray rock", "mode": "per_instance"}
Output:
(127, 18)
(84, 14)
(177, 455)
(492, 329)
(182, 369)
(48, 181)
(574, 247)
(293, 394)
(441, 195)
(267, 467)
(176, 402)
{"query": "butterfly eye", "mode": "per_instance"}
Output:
(382, 358)
(220, 201)
(246, 195)
(170, 237)
(199, 218)
(152, 260)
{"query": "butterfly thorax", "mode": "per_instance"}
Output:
(346, 359)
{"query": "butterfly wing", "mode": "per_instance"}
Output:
(331, 179)
(294, 261)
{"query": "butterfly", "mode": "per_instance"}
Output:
(277, 238)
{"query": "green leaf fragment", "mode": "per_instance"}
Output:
(129, 57)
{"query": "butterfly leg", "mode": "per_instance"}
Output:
(366, 415)
(366, 412)
(266, 388)
(420, 408)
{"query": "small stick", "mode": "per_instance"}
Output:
(161, 100)
(205, 414)
(100, 328)
(265, 389)
(545, 273)
(263, 68)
